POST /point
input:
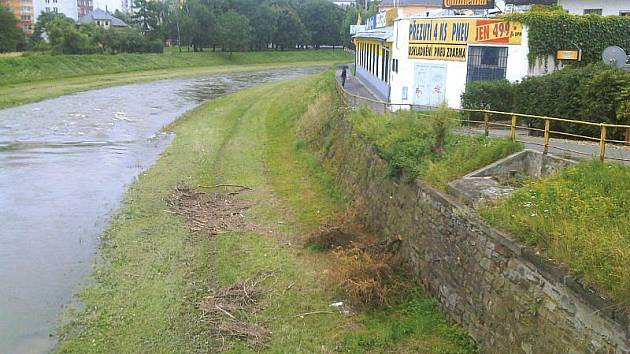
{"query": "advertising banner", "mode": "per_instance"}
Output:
(467, 4)
(354, 29)
(380, 20)
(448, 39)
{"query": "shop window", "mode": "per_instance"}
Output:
(486, 63)
(593, 12)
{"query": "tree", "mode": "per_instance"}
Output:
(233, 31)
(10, 34)
(263, 26)
(66, 39)
(322, 20)
(290, 30)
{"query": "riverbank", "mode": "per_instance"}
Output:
(35, 78)
(155, 272)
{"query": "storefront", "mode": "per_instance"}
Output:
(428, 61)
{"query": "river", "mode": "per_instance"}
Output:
(65, 164)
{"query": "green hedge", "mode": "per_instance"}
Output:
(493, 95)
(551, 30)
(595, 93)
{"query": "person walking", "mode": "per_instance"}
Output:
(344, 74)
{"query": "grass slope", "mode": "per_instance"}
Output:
(33, 68)
(154, 272)
(17, 94)
(580, 217)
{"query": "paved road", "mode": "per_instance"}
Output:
(558, 147)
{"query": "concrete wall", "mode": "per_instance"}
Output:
(609, 7)
(505, 295)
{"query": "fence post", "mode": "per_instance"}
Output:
(602, 143)
(627, 136)
(486, 123)
(513, 132)
(547, 126)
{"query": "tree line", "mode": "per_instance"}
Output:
(195, 25)
(246, 24)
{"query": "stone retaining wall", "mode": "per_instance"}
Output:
(505, 295)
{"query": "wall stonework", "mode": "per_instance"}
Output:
(505, 295)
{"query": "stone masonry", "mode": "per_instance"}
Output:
(509, 298)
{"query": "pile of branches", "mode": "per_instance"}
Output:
(231, 309)
(214, 213)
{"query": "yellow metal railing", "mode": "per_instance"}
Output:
(602, 140)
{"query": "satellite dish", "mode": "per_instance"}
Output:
(615, 56)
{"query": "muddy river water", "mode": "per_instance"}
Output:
(65, 164)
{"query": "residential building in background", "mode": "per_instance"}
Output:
(23, 10)
(102, 19)
(84, 7)
(599, 7)
(66, 7)
(410, 7)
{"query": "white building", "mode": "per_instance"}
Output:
(66, 7)
(600, 7)
(426, 61)
(73, 8)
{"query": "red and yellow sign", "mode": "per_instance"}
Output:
(448, 39)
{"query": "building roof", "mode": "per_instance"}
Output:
(435, 3)
(101, 15)
(381, 34)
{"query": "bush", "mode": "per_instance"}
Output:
(496, 95)
(594, 93)
(155, 46)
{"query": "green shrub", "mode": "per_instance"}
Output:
(594, 93)
(496, 95)
(155, 46)
(408, 142)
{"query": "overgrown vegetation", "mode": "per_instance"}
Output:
(408, 141)
(64, 37)
(580, 217)
(594, 93)
(552, 29)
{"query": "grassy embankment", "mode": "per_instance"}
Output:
(155, 272)
(407, 140)
(33, 78)
(580, 217)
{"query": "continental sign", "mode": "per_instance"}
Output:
(448, 39)
(467, 4)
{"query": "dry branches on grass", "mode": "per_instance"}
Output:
(229, 310)
(369, 272)
(214, 212)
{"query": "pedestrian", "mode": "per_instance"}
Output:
(343, 77)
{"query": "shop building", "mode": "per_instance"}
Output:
(427, 61)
